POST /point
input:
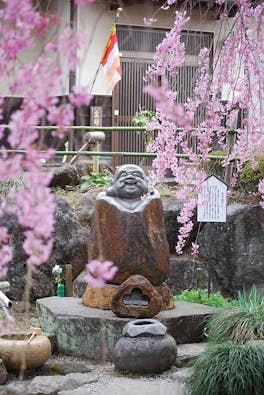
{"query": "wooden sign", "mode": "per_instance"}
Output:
(96, 114)
(212, 201)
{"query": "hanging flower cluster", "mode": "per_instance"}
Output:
(239, 70)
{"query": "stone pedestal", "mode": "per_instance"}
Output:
(92, 333)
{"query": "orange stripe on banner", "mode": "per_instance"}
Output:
(115, 67)
(109, 46)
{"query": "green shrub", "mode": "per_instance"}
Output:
(241, 323)
(95, 179)
(142, 117)
(228, 369)
(249, 178)
(201, 296)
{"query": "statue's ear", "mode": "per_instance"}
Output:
(110, 190)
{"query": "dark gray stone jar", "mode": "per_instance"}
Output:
(145, 347)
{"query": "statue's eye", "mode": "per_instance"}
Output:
(136, 174)
(123, 174)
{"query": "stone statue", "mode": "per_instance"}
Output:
(128, 229)
(129, 189)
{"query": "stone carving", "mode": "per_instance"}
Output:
(136, 298)
(128, 229)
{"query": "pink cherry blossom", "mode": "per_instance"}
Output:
(80, 96)
(100, 272)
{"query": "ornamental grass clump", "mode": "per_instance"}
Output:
(242, 323)
(228, 369)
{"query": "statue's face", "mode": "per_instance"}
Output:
(129, 182)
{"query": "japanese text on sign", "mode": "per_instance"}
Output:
(212, 201)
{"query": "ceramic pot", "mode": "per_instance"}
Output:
(17, 354)
(144, 348)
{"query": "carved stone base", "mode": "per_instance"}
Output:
(100, 298)
(136, 297)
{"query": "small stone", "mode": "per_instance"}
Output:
(51, 385)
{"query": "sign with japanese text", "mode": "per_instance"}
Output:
(212, 201)
(96, 115)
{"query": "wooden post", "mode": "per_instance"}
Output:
(96, 158)
(68, 280)
(231, 137)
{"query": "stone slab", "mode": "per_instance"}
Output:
(92, 333)
(134, 387)
(188, 352)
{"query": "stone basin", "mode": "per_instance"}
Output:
(18, 353)
(92, 333)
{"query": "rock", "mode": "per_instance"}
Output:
(65, 175)
(61, 366)
(186, 272)
(3, 373)
(87, 209)
(133, 386)
(16, 387)
(100, 298)
(70, 247)
(80, 284)
(181, 375)
(166, 296)
(70, 244)
(234, 249)
(136, 298)
(188, 352)
(139, 246)
(51, 385)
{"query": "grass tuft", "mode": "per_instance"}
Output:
(228, 369)
(241, 323)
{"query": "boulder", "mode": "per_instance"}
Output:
(65, 175)
(70, 247)
(234, 250)
(185, 272)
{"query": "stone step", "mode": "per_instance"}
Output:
(92, 333)
(188, 352)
